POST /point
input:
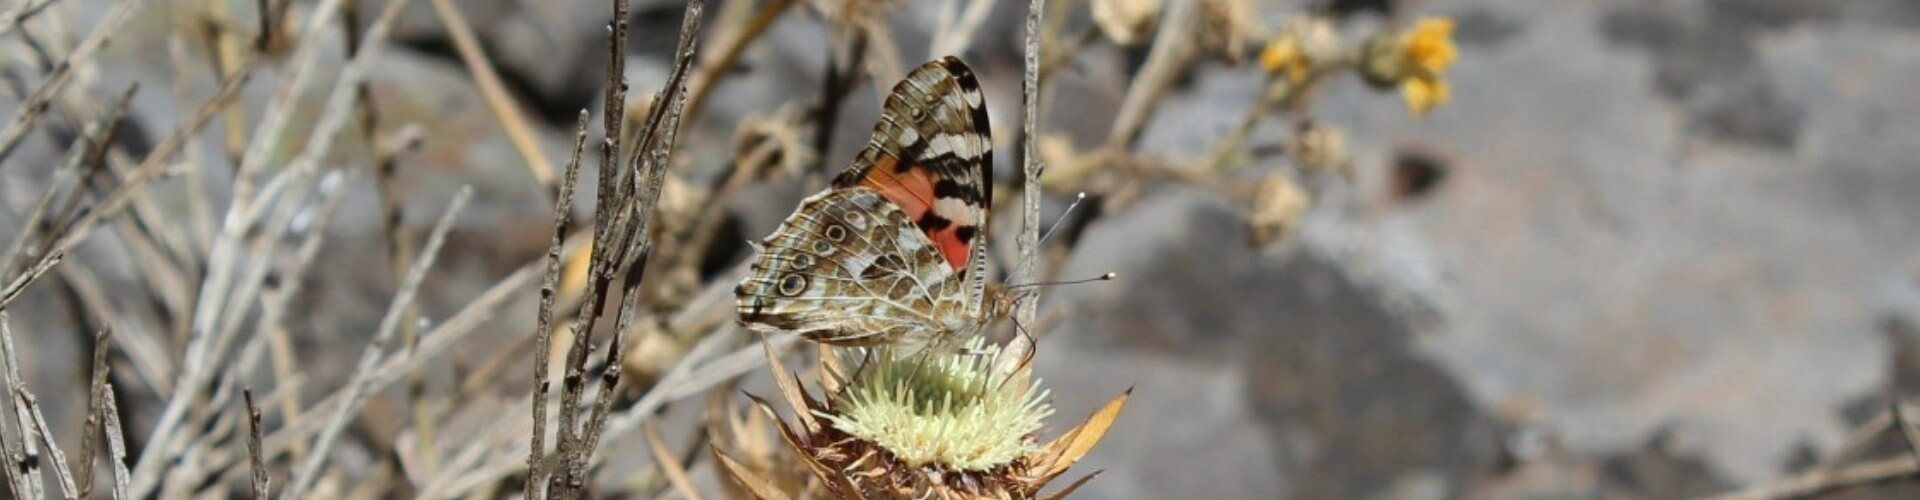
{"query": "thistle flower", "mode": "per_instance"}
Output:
(926, 425)
(1416, 60)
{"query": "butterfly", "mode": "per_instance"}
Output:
(894, 251)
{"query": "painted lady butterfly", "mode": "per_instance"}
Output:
(895, 251)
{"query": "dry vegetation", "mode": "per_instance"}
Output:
(626, 324)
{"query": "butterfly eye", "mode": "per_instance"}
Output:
(801, 261)
(837, 233)
(792, 284)
(856, 220)
(822, 248)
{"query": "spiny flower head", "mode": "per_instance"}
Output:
(941, 409)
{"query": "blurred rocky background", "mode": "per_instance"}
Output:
(1648, 249)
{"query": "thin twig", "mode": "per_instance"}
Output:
(1815, 483)
(20, 13)
(651, 157)
(1172, 48)
(1029, 237)
(261, 481)
(23, 451)
(543, 327)
(309, 470)
(36, 103)
(96, 391)
(116, 446)
(712, 70)
(493, 92)
(954, 39)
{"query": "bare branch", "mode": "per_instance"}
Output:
(357, 388)
(261, 481)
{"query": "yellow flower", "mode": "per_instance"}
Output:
(1427, 50)
(1422, 95)
(1303, 45)
(1283, 56)
(1429, 47)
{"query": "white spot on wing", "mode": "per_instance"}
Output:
(956, 210)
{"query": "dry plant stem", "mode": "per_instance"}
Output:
(399, 249)
(711, 71)
(242, 214)
(495, 94)
(1171, 50)
(23, 454)
(443, 336)
(224, 47)
(636, 202)
(549, 292)
(1029, 237)
(669, 464)
(90, 436)
(361, 382)
(116, 446)
(35, 105)
(1819, 482)
(839, 79)
(20, 13)
(605, 225)
(953, 39)
(258, 464)
(60, 469)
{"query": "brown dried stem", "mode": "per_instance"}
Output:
(549, 292)
(503, 106)
(258, 464)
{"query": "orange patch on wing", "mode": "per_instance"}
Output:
(912, 191)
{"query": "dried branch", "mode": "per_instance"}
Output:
(261, 481)
(1028, 240)
(952, 38)
(116, 446)
(23, 454)
(21, 13)
(711, 71)
(36, 103)
(495, 94)
(96, 392)
(549, 281)
(1817, 482)
(363, 372)
(1172, 48)
(628, 198)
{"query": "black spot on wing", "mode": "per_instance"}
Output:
(948, 188)
(931, 222)
(965, 233)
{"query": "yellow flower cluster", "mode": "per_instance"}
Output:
(1427, 50)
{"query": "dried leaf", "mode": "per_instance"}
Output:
(669, 464)
(790, 389)
(1058, 495)
(760, 488)
(1069, 448)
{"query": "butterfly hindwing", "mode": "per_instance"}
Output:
(848, 267)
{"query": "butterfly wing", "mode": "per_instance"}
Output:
(849, 267)
(895, 250)
(932, 155)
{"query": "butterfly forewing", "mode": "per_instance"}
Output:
(908, 262)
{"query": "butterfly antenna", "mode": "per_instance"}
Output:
(1063, 218)
(1109, 276)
